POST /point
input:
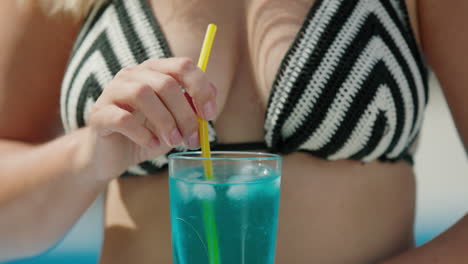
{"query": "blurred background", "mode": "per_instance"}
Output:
(442, 190)
(441, 170)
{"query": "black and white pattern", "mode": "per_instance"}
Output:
(352, 86)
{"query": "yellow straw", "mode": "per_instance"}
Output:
(208, 208)
(203, 124)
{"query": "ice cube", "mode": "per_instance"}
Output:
(272, 188)
(184, 191)
(194, 175)
(242, 178)
(265, 171)
(249, 169)
(203, 192)
(237, 192)
(257, 170)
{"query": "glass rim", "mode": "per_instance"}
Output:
(249, 156)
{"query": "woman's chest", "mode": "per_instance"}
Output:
(252, 39)
(331, 47)
(253, 36)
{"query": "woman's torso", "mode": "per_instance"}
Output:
(331, 212)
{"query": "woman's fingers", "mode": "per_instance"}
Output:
(146, 103)
(141, 96)
(171, 95)
(192, 79)
(111, 118)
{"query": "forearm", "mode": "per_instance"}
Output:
(449, 247)
(44, 190)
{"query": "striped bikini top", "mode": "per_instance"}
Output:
(353, 84)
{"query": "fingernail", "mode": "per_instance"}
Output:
(175, 138)
(194, 141)
(154, 143)
(209, 110)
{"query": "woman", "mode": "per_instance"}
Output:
(317, 80)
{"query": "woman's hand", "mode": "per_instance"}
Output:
(143, 113)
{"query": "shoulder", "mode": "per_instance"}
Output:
(35, 48)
